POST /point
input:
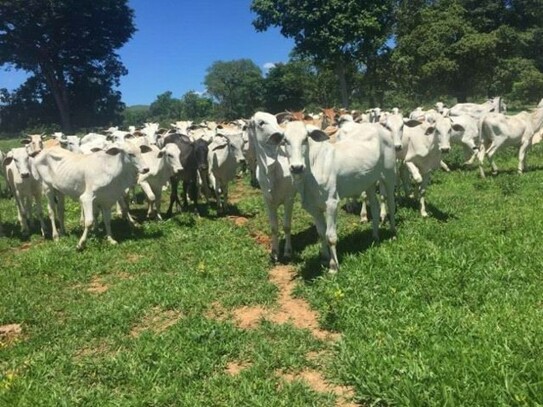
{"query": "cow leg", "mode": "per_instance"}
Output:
(414, 171)
(422, 192)
(88, 212)
(52, 211)
(61, 211)
(151, 198)
(39, 210)
(271, 210)
(406, 182)
(364, 208)
(374, 208)
(287, 221)
(444, 166)
(522, 155)
(331, 232)
(490, 154)
(388, 191)
(174, 198)
(158, 198)
(193, 188)
(21, 216)
(106, 214)
(382, 197)
(320, 224)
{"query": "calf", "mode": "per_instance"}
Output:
(273, 176)
(188, 176)
(24, 186)
(162, 164)
(325, 172)
(223, 160)
(498, 130)
(421, 154)
(98, 180)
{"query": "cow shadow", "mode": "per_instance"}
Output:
(356, 242)
(433, 211)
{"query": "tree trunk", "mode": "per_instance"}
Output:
(58, 89)
(340, 72)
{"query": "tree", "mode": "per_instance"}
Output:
(165, 107)
(335, 33)
(469, 48)
(289, 86)
(196, 107)
(70, 46)
(236, 86)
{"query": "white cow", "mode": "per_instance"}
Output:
(325, 172)
(498, 130)
(24, 187)
(98, 180)
(162, 165)
(421, 154)
(273, 176)
(477, 111)
(465, 132)
(223, 159)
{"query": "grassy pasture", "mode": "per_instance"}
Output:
(450, 313)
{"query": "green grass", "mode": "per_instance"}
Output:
(450, 313)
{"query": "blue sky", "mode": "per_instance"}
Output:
(177, 40)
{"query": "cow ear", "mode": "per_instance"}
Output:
(145, 149)
(430, 130)
(219, 146)
(113, 150)
(96, 149)
(109, 137)
(318, 135)
(458, 127)
(7, 161)
(276, 138)
(412, 122)
(129, 136)
(25, 141)
(160, 154)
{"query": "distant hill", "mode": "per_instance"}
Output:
(137, 108)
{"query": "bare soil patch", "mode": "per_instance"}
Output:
(9, 334)
(133, 257)
(238, 220)
(97, 286)
(234, 368)
(250, 317)
(262, 239)
(156, 320)
(318, 383)
(95, 350)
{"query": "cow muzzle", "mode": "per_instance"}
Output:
(296, 169)
(445, 150)
(144, 171)
(398, 147)
(25, 175)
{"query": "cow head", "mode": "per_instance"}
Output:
(131, 155)
(296, 140)
(394, 123)
(33, 144)
(201, 151)
(19, 157)
(265, 131)
(171, 153)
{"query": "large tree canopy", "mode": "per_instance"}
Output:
(69, 45)
(236, 86)
(340, 33)
(470, 48)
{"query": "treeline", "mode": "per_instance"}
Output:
(347, 53)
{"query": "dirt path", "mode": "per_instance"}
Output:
(290, 309)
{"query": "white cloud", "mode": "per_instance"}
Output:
(268, 65)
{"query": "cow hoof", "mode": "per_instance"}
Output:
(112, 241)
(333, 269)
(79, 248)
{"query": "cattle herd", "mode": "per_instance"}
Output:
(323, 158)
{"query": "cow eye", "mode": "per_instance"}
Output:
(170, 155)
(261, 123)
(131, 155)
